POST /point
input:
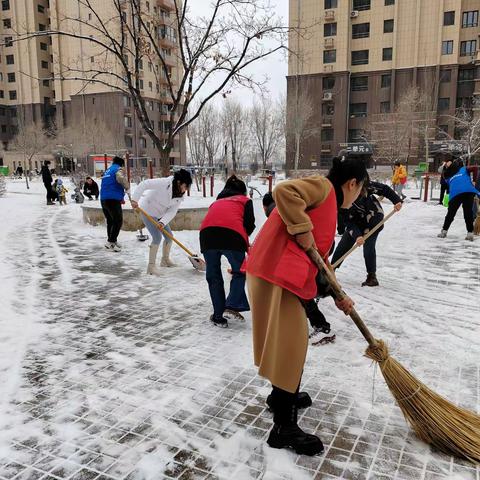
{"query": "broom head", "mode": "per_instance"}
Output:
(436, 421)
(476, 225)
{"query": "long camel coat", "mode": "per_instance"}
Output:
(280, 330)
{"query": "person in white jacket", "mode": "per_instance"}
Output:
(161, 198)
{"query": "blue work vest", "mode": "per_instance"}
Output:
(461, 183)
(111, 189)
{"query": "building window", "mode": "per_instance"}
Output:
(327, 134)
(128, 142)
(46, 83)
(5, 4)
(355, 135)
(449, 18)
(127, 122)
(328, 83)
(386, 80)
(360, 57)
(329, 56)
(470, 19)
(361, 30)
(447, 47)
(4, 129)
(466, 75)
(11, 77)
(387, 54)
(388, 26)
(143, 142)
(384, 107)
(10, 59)
(329, 29)
(44, 64)
(464, 102)
(443, 103)
(41, 8)
(361, 4)
(468, 48)
(328, 109)
(389, 2)
(445, 76)
(140, 83)
(2, 111)
(126, 101)
(358, 110)
(8, 41)
(41, 27)
(331, 3)
(43, 46)
(2, 94)
(12, 94)
(358, 84)
(7, 23)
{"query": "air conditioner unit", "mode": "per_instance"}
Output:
(329, 42)
(328, 96)
(354, 14)
(329, 14)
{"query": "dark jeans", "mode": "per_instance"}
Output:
(112, 209)
(369, 252)
(237, 299)
(466, 200)
(443, 191)
(51, 193)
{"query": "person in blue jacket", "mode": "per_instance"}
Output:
(462, 192)
(114, 186)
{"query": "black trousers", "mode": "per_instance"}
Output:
(112, 209)
(51, 193)
(466, 201)
(443, 191)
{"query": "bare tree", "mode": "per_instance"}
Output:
(204, 137)
(266, 128)
(300, 122)
(213, 53)
(235, 123)
(31, 140)
(467, 130)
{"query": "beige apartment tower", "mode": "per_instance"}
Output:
(37, 77)
(357, 59)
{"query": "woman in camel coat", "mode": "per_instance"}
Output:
(280, 273)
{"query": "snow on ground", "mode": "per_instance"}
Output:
(109, 374)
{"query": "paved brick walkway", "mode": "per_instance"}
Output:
(125, 379)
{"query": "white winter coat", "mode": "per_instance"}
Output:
(155, 197)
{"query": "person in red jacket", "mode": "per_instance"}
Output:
(224, 232)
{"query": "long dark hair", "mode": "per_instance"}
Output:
(346, 168)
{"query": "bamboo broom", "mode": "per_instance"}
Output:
(476, 225)
(436, 421)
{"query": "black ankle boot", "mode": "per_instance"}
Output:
(303, 401)
(287, 434)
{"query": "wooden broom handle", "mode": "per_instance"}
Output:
(365, 237)
(339, 294)
(162, 229)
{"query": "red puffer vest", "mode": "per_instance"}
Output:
(277, 258)
(227, 213)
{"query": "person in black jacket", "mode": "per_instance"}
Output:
(224, 232)
(47, 181)
(365, 213)
(90, 188)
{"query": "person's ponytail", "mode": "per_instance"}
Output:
(346, 168)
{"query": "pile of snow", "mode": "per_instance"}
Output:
(3, 186)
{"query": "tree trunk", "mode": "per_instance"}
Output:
(297, 151)
(165, 161)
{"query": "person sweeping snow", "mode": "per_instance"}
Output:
(365, 213)
(224, 232)
(280, 273)
(161, 199)
(462, 192)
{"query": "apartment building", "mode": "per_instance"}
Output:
(44, 79)
(359, 57)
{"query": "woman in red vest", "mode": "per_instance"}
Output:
(280, 274)
(224, 232)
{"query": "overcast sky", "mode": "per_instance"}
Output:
(275, 67)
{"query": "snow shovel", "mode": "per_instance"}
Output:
(368, 235)
(197, 262)
(435, 420)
